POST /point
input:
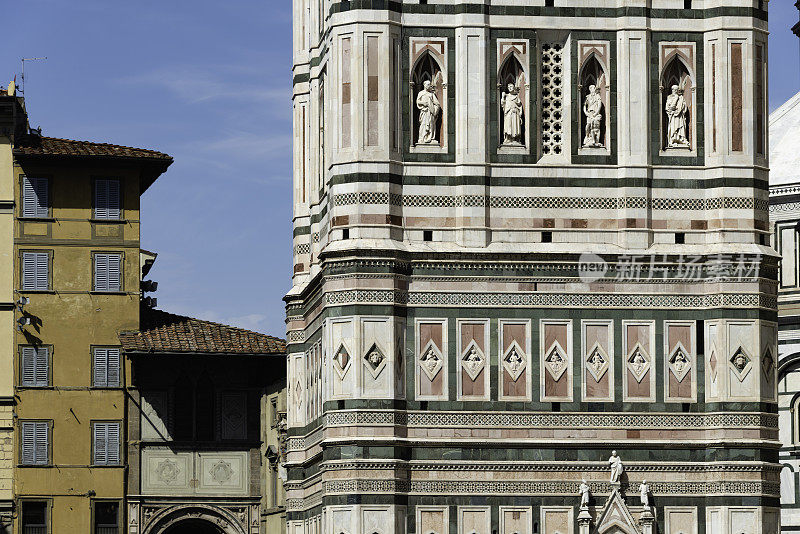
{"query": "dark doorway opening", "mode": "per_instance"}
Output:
(193, 526)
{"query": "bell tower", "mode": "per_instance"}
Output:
(527, 234)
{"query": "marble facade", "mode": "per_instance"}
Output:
(479, 315)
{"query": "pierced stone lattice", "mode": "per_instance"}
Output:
(552, 98)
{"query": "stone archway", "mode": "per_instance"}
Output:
(192, 526)
(194, 519)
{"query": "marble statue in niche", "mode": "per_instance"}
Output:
(512, 116)
(428, 113)
(615, 462)
(429, 108)
(676, 84)
(512, 86)
(593, 110)
(593, 88)
(677, 111)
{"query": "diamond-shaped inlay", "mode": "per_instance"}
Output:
(638, 362)
(597, 362)
(374, 360)
(341, 361)
(740, 363)
(679, 362)
(768, 364)
(513, 361)
(473, 360)
(712, 363)
(431, 360)
(556, 361)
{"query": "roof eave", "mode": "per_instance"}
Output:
(195, 353)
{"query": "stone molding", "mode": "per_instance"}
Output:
(549, 300)
(522, 420)
(555, 203)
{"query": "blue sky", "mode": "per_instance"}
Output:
(210, 85)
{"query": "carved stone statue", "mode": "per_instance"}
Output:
(644, 494)
(677, 110)
(429, 109)
(593, 109)
(512, 116)
(616, 467)
(584, 491)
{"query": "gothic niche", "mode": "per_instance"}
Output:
(428, 88)
(594, 104)
(677, 115)
(513, 94)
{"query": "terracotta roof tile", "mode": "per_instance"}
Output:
(163, 332)
(51, 146)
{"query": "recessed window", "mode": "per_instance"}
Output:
(107, 198)
(34, 517)
(105, 443)
(106, 517)
(547, 237)
(35, 443)
(35, 271)
(427, 235)
(549, 3)
(35, 197)
(346, 233)
(680, 238)
(687, 4)
(35, 366)
(107, 269)
(105, 367)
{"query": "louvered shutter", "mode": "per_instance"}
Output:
(35, 197)
(113, 206)
(114, 272)
(28, 366)
(35, 271)
(107, 199)
(101, 272)
(28, 443)
(100, 439)
(35, 442)
(113, 365)
(42, 268)
(42, 366)
(42, 442)
(112, 443)
(100, 368)
(100, 199)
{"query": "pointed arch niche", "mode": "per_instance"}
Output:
(513, 104)
(428, 64)
(678, 135)
(594, 93)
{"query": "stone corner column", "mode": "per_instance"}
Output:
(584, 520)
(647, 521)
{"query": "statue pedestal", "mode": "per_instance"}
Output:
(647, 521)
(584, 520)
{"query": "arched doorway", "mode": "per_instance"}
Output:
(194, 526)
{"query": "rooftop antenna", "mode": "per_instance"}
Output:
(22, 81)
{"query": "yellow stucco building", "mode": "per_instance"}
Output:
(76, 261)
(12, 124)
